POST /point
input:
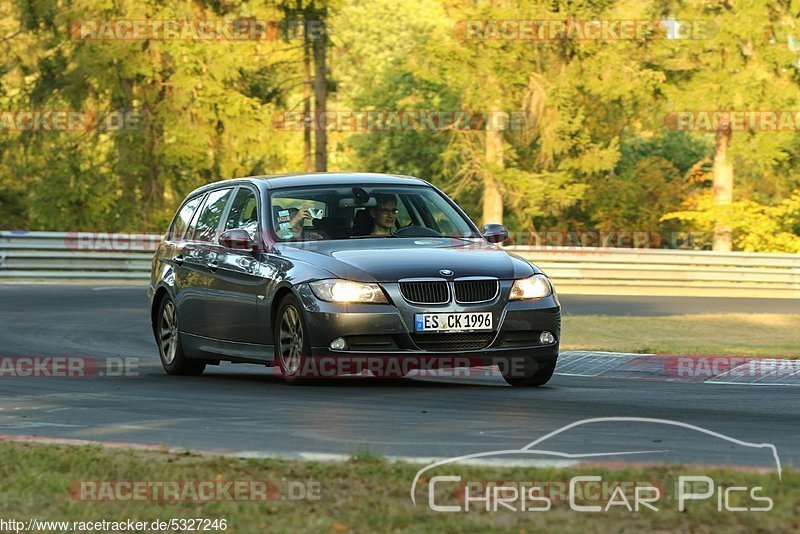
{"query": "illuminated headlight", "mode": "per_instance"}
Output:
(535, 287)
(347, 291)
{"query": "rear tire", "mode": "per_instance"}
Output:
(530, 377)
(168, 339)
(292, 343)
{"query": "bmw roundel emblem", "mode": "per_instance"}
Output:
(446, 272)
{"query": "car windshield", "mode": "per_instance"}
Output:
(353, 212)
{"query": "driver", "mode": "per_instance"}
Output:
(384, 215)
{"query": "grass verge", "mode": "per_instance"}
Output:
(365, 494)
(735, 334)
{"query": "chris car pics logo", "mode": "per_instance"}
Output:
(451, 493)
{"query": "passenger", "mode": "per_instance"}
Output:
(298, 218)
(289, 222)
(294, 227)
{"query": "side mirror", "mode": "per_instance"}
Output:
(495, 233)
(237, 240)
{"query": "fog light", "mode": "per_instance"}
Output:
(545, 338)
(338, 344)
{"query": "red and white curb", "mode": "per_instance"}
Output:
(747, 371)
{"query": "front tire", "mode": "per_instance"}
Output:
(173, 358)
(292, 343)
(532, 373)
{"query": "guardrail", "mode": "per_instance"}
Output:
(57, 255)
(667, 272)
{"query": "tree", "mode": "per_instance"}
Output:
(202, 114)
(565, 133)
(312, 16)
(379, 67)
(739, 62)
(579, 98)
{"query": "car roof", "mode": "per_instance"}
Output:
(315, 178)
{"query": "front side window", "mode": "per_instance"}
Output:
(181, 222)
(244, 212)
(352, 211)
(208, 222)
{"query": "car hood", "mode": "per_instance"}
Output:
(390, 259)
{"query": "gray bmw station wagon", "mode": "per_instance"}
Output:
(333, 273)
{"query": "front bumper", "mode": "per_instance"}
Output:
(381, 331)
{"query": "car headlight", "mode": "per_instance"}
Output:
(347, 291)
(535, 287)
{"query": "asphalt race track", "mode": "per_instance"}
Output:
(247, 410)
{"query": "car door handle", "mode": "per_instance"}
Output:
(212, 264)
(178, 260)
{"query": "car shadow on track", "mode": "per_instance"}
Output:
(364, 381)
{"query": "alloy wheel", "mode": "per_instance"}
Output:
(291, 340)
(168, 333)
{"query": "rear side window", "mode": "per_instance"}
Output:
(244, 212)
(181, 222)
(210, 217)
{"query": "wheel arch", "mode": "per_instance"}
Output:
(280, 294)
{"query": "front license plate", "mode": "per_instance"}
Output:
(452, 322)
